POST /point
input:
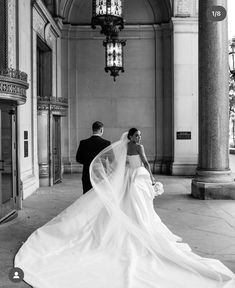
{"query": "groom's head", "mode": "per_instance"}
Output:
(98, 128)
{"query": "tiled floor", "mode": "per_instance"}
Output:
(207, 226)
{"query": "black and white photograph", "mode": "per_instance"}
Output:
(117, 143)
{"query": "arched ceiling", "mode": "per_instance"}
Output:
(78, 12)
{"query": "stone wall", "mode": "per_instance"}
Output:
(93, 95)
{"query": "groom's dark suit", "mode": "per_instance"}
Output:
(86, 152)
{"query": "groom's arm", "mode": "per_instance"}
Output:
(79, 154)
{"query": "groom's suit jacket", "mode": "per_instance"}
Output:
(86, 152)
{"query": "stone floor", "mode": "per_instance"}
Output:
(207, 226)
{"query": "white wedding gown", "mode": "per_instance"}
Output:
(115, 239)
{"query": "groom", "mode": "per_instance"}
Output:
(87, 151)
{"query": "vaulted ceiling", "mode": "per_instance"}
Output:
(135, 11)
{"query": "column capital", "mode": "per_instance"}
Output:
(185, 8)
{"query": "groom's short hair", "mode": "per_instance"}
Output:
(97, 125)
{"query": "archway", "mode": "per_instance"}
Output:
(142, 96)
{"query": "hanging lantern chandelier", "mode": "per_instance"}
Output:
(232, 58)
(114, 56)
(107, 14)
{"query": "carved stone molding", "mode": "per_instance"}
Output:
(43, 107)
(38, 24)
(14, 74)
(13, 85)
(59, 110)
(53, 100)
(44, 170)
(55, 105)
(11, 11)
(47, 33)
(183, 8)
(44, 24)
(59, 21)
(49, 36)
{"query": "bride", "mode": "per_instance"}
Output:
(111, 237)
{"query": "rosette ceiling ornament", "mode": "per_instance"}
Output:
(108, 14)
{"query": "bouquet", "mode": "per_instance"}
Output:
(158, 188)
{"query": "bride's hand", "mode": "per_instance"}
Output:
(153, 181)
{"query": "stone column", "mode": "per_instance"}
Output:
(159, 124)
(168, 101)
(213, 177)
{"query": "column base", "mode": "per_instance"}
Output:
(44, 175)
(206, 191)
(44, 182)
(29, 186)
(213, 185)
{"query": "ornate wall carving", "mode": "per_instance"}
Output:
(11, 33)
(44, 24)
(13, 85)
(38, 24)
(49, 36)
(185, 8)
(55, 105)
(44, 170)
(12, 88)
(43, 107)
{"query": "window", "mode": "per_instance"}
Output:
(44, 69)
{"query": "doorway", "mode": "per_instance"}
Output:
(56, 149)
(8, 172)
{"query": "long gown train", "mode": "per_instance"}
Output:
(111, 237)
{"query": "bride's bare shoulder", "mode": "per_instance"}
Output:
(132, 149)
(139, 147)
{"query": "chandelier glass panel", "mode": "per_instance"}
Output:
(114, 56)
(232, 57)
(108, 14)
(113, 7)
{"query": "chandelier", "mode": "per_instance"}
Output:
(107, 14)
(232, 58)
(114, 56)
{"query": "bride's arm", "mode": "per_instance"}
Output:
(145, 162)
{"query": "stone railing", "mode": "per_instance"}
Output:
(13, 85)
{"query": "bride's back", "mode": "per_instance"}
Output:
(134, 161)
(132, 149)
(133, 156)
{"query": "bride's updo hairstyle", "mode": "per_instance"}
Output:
(131, 132)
